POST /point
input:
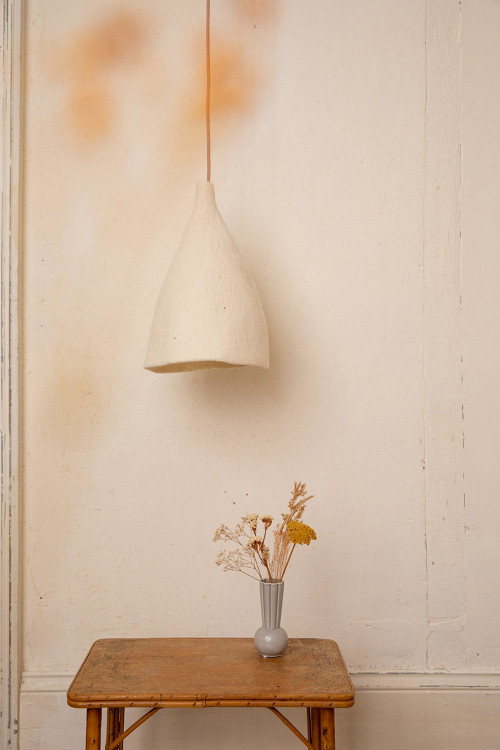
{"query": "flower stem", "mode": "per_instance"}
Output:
(286, 566)
(265, 564)
(268, 572)
(248, 574)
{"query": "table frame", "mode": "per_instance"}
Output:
(320, 708)
(320, 726)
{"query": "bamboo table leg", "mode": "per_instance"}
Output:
(110, 728)
(316, 728)
(120, 724)
(115, 726)
(93, 741)
(323, 728)
(327, 729)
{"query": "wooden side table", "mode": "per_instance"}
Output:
(159, 673)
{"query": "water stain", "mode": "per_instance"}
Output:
(117, 39)
(90, 110)
(235, 81)
(75, 392)
(86, 63)
(257, 11)
(237, 75)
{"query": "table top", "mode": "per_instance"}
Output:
(163, 672)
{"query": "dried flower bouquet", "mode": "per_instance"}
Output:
(252, 555)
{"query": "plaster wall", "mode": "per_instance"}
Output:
(355, 162)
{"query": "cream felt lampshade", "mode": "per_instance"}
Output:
(208, 312)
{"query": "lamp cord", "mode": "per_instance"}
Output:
(207, 112)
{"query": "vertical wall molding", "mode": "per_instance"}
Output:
(442, 336)
(10, 135)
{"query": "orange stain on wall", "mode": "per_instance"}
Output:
(236, 77)
(121, 38)
(258, 11)
(73, 407)
(233, 92)
(233, 82)
(90, 111)
(117, 40)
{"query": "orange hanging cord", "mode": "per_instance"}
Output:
(207, 38)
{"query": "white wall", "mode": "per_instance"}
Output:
(355, 162)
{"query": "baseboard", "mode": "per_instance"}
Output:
(426, 681)
(46, 682)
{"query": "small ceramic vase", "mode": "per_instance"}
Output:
(271, 639)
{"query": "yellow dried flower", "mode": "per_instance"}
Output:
(300, 533)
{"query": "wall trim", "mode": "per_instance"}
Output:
(442, 360)
(427, 681)
(38, 682)
(9, 532)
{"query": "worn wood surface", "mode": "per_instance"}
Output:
(210, 672)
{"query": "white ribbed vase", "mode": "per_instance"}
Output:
(208, 312)
(271, 639)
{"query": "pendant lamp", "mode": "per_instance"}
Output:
(208, 313)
